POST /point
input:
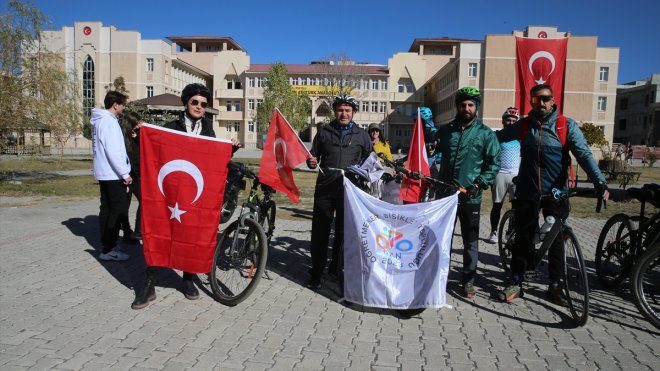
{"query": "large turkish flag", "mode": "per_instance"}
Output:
(182, 181)
(283, 151)
(540, 61)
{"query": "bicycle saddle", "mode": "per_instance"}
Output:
(648, 193)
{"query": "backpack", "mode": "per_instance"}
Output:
(561, 128)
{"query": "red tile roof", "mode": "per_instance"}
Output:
(324, 68)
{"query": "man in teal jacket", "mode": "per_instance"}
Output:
(471, 160)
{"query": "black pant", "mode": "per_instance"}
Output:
(114, 206)
(135, 187)
(527, 221)
(495, 213)
(325, 206)
(468, 215)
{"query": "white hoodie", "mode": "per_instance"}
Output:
(110, 158)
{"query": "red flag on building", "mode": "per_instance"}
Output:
(283, 151)
(411, 189)
(540, 61)
(182, 181)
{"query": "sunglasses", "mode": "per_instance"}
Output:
(544, 98)
(195, 102)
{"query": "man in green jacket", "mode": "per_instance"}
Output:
(471, 160)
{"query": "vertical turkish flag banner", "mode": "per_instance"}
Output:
(540, 61)
(418, 161)
(182, 181)
(283, 151)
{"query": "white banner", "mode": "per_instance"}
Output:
(396, 256)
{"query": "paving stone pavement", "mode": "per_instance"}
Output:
(61, 308)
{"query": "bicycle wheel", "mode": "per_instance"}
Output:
(238, 262)
(646, 279)
(614, 251)
(267, 219)
(505, 238)
(576, 284)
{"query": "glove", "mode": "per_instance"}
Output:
(472, 190)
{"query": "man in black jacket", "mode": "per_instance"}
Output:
(337, 145)
(195, 98)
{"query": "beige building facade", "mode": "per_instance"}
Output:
(427, 74)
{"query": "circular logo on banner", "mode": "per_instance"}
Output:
(543, 35)
(87, 30)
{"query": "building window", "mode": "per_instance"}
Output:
(237, 127)
(260, 82)
(408, 109)
(251, 126)
(250, 104)
(383, 107)
(365, 106)
(472, 70)
(229, 126)
(400, 88)
(259, 101)
(228, 105)
(237, 106)
(238, 85)
(623, 103)
(602, 104)
(230, 84)
(374, 106)
(150, 65)
(622, 124)
(251, 82)
(410, 88)
(88, 86)
(604, 74)
(397, 132)
(374, 84)
(150, 91)
(383, 84)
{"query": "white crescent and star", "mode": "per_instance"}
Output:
(281, 143)
(188, 168)
(538, 55)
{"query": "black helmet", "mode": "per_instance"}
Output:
(195, 89)
(345, 99)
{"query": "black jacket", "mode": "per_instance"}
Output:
(332, 151)
(180, 125)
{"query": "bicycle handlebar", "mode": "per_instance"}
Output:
(400, 169)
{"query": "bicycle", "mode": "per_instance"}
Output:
(575, 280)
(620, 244)
(241, 252)
(645, 280)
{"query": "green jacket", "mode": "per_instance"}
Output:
(470, 156)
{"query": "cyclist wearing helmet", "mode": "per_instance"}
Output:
(470, 159)
(337, 145)
(195, 99)
(544, 167)
(509, 163)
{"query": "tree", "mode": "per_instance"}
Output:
(34, 88)
(595, 137)
(278, 93)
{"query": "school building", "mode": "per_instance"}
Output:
(427, 74)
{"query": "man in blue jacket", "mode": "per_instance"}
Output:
(544, 168)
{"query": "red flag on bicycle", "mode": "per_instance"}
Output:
(182, 182)
(283, 151)
(540, 61)
(411, 189)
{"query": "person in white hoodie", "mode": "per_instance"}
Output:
(111, 169)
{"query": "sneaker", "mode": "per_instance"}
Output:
(468, 289)
(114, 255)
(189, 290)
(493, 237)
(510, 292)
(555, 294)
(314, 283)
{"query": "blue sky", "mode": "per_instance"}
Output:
(372, 31)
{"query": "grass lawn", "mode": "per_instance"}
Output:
(86, 187)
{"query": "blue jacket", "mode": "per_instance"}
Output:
(543, 158)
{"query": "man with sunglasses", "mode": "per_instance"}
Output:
(195, 98)
(544, 172)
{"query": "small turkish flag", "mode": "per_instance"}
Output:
(182, 182)
(540, 61)
(418, 161)
(283, 151)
